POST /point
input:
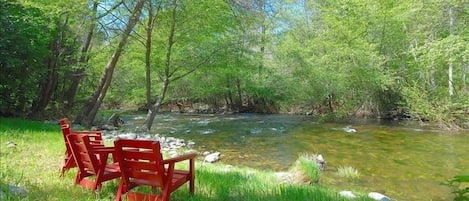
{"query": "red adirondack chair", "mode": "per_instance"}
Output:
(142, 164)
(68, 162)
(92, 162)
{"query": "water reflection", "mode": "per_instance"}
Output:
(400, 159)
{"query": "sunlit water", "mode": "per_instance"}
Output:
(399, 159)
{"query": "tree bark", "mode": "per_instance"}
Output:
(464, 77)
(166, 75)
(450, 65)
(154, 109)
(147, 57)
(49, 83)
(69, 96)
(89, 110)
(150, 25)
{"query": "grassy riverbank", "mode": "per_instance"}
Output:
(33, 164)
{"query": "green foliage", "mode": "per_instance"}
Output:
(24, 40)
(331, 58)
(425, 106)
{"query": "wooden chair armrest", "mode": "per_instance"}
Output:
(104, 152)
(97, 145)
(100, 150)
(189, 156)
(88, 132)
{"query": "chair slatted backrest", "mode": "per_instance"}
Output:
(140, 162)
(66, 130)
(96, 139)
(65, 125)
(92, 161)
(96, 136)
(87, 162)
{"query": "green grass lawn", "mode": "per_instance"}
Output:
(34, 164)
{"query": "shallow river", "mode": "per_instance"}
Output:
(399, 159)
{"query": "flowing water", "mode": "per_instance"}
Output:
(399, 159)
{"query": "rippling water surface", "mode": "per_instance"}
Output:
(399, 159)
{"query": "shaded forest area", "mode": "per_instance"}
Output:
(334, 59)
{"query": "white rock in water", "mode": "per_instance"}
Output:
(319, 158)
(128, 136)
(378, 196)
(212, 157)
(348, 129)
(347, 194)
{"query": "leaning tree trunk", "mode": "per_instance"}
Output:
(166, 76)
(69, 96)
(90, 109)
(154, 109)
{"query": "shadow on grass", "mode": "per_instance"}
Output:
(27, 125)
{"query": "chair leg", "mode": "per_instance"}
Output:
(78, 177)
(191, 187)
(62, 172)
(192, 183)
(67, 164)
(165, 196)
(119, 193)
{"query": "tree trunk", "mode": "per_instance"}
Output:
(148, 54)
(464, 77)
(49, 83)
(147, 69)
(69, 96)
(152, 112)
(89, 110)
(154, 109)
(239, 92)
(450, 65)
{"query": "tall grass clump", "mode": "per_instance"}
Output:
(348, 172)
(306, 169)
(33, 161)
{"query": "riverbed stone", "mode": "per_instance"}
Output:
(128, 136)
(169, 145)
(378, 196)
(213, 157)
(14, 191)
